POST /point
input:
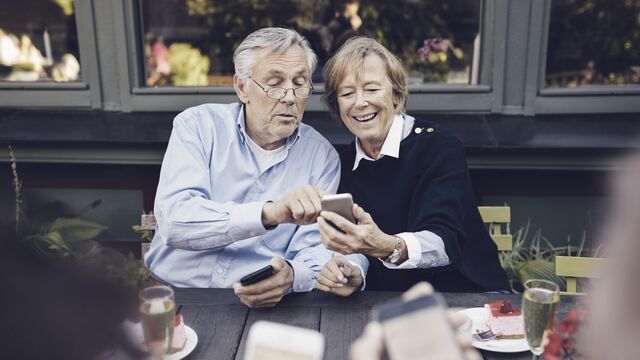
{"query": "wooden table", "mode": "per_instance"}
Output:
(222, 322)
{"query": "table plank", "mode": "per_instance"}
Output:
(341, 327)
(301, 316)
(314, 298)
(219, 329)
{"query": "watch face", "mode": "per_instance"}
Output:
(395, 256)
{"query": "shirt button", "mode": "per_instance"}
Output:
(252, 233)
(220, 270)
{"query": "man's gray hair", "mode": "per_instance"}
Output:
(276, 40)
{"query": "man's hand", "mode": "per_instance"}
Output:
(363, 238)
(340, 277)
(268, 292)
(301, 206)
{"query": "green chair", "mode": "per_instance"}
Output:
(574, 267)
(497, 217)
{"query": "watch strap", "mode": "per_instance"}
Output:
(397, 251)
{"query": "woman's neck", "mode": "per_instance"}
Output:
(372, 149)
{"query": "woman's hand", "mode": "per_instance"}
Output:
(340, 277)
(363, 238)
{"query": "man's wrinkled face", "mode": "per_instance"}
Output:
(269, 121)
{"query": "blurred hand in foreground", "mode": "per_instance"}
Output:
(370, 346)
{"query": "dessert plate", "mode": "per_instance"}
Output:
(134, 330)
(192, 341)
(479, 317)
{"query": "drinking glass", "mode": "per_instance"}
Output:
(539, 303)
(158, 312)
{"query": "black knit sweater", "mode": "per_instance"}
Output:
(426, 188)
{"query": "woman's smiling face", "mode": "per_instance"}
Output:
(367, 106)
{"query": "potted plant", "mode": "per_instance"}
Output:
(145, 230)
(60, 235)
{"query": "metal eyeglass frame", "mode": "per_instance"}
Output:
(266, 91)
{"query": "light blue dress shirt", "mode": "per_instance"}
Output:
(210, 196)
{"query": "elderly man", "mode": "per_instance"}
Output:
(240, 184)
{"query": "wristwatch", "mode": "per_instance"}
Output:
(397, 251)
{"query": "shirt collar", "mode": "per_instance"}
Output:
(391, 145)
(242, 129)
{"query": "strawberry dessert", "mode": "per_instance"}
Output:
(505, 320)
(179, 335)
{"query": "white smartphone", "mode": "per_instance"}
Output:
(418, 329)
(273, 341)
(341, 204)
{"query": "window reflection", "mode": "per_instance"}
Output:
(38, 41)
(593, 42)
(191, 42)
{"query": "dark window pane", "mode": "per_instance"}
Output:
(191, 42)
(594, 42)
(38, 41)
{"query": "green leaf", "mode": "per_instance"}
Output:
(50, 241)
(146, 235)
(74, 229)
(540, 269)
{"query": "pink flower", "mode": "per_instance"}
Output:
(560, 343)
(160, 58)
(436, 45)
(571, 323)
(554, 346)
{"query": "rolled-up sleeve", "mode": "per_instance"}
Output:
(425, 250)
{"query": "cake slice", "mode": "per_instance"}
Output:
(179, 335)
(505, 320)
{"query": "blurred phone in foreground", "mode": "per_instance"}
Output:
(418, 329)
(274, 341)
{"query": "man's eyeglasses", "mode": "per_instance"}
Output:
(277, 93)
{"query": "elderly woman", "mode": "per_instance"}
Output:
(411, 176)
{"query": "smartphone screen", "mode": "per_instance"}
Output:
(341, 204)
(418, 329)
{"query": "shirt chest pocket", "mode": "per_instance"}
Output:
(277, 242)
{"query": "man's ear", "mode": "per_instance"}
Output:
(240, 88)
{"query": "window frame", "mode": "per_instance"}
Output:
(541, 100)
(83, 94)
(484, 97)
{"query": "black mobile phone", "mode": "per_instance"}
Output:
(400, 319)
(257, 275)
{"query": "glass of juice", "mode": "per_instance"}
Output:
(539, 302)
(157, 310)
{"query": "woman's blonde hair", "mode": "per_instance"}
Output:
(350, 57)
